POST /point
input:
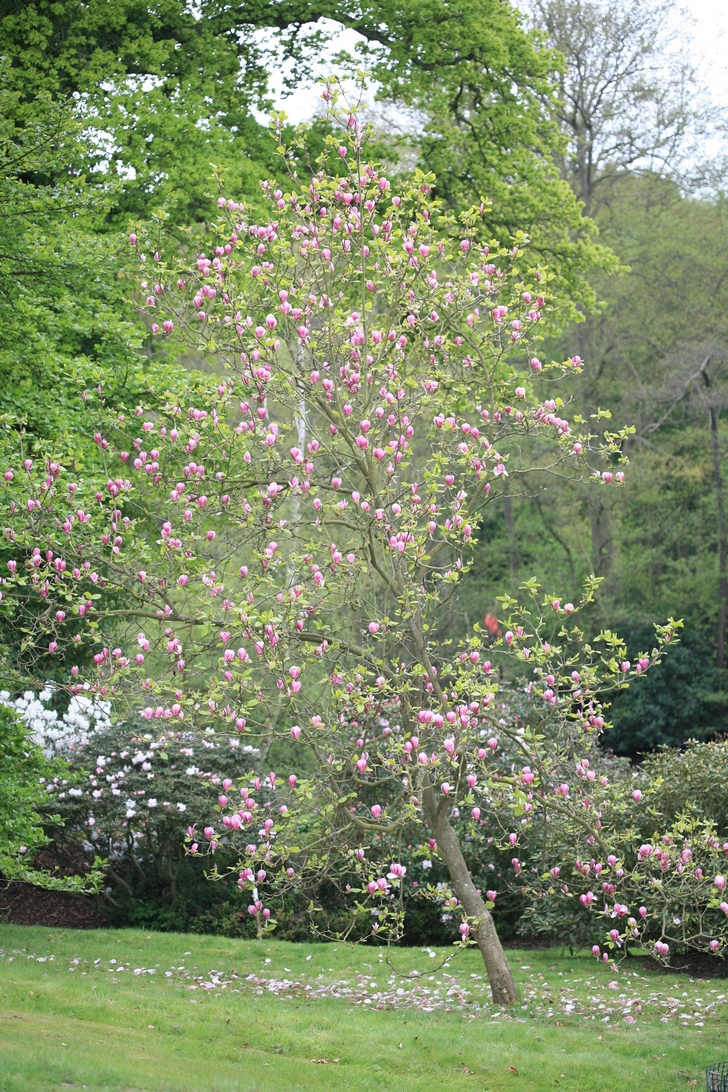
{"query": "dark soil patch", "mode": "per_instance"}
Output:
(536, 944)
(695, 964)
(24, 904)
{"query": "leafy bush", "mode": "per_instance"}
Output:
(22, 765)
(128, 798)
(692, 779)
(679, 699)
(662, 886)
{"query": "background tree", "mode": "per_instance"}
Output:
(693, 385)
(65, 326)
(629, 99)
(656, 543)
(162, 89)
(484, 96)
(166, 90)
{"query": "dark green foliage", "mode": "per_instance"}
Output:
(129, 798)
(559, 921)
(677, 700)
(654, 543)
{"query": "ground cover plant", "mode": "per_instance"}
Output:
(127, 1008)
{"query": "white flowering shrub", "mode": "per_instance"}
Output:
(127, 796)
(53, 731)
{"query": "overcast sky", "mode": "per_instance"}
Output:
(711, 42)
(710, 46)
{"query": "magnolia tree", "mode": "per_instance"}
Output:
(278, 561)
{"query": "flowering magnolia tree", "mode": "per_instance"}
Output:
(278, 561)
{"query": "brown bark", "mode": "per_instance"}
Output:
(502, 986)
(511, 537)
(722, 535)
(601, 535)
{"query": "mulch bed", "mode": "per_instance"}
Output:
(24, 904)
(695, 964)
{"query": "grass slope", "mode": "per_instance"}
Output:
(217, 1015)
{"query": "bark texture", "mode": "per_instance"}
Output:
(502, 986)
(722, 532)
(510, 523)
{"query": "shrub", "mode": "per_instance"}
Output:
(680, 700)
(22, 765)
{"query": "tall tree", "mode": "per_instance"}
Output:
(484, 92)
(164, 90)
(629, 98)
(168, 89)
(65, 326)
(629, 103)
(313, 578)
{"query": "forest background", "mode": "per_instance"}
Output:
(586, 125)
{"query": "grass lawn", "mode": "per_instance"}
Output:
(131, 1010)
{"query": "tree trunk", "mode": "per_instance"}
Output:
(511, 537)
(601, 535)
(722, 537)
(502, 986)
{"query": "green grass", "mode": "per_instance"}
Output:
(69, 1018)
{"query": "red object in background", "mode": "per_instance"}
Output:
(491, 624)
